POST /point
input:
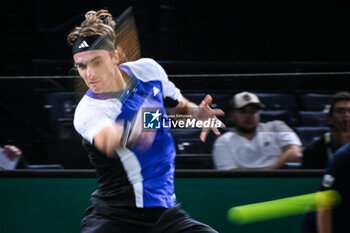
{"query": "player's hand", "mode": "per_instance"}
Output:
(12, 152)
(205, 113)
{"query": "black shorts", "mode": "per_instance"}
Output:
(104, 219)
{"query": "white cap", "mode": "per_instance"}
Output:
(243, 99)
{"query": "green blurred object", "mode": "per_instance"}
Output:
(284, 207)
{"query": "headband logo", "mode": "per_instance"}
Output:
(94, 42)
(83, 45)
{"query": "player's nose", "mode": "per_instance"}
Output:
(89, 73)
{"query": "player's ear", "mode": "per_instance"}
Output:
(116, 57)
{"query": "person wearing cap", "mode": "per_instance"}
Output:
(254, 145)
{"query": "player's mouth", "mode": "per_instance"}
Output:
(94, 83)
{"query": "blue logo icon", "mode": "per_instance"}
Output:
(151, 119)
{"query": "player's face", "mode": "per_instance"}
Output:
(341, 114)
(247, 118)
(99, 69)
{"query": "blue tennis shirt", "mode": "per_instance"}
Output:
(142, 175)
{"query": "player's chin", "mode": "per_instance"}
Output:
(95, 89)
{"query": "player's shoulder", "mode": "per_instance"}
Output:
(147, 61)
(91, 111)
(145, 69)
(88, 103)
(89, 106)
(85, 102)
(83, 108)
(339, 163)
(141, 62)
(343, 153)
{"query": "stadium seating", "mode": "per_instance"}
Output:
(304, 116)
(312, 118)
(191, 152)
(62, 105)
(308, 135)
(314, 101)
(187, 141)
(194, 161)
(279, 106)
(282, 115)
(220, 100)
(278, 101)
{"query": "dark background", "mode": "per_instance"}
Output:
(281, 35)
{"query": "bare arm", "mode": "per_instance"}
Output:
(12, 152)
(109, 138)
(201, 112)
(291, 153)
(324, 221)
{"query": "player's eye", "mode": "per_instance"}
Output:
(80, 66)
(96, 62)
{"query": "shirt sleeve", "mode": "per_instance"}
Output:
(286, 136)
(168, 87)
(223, 159)
(334, 174)
(88, 123)
(147, 69)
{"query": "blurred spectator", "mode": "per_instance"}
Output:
(10, 156)
(319, 152)
(255, 145)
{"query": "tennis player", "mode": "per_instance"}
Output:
(135, 168)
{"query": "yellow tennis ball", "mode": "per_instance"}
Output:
(327, 199)
(283, 207)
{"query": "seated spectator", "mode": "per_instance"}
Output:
(10, 157)
(255, 145)
(319, 152)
